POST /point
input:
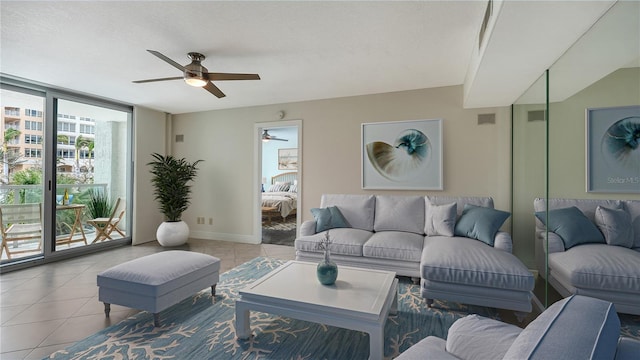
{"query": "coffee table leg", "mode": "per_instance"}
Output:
(243, 328)
(394, 304)
(376, 344)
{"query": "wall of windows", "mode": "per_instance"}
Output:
(59, 155)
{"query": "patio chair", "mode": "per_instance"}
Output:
(20, 223)
(105, 226)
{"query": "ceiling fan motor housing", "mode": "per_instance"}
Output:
(195, 70)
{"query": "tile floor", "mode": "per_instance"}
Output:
(49, 307)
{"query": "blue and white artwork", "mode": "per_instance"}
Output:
(404, 155)
(613, 149)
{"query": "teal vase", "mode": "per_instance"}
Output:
(327, 270)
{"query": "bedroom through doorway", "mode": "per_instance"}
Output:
(279, 184)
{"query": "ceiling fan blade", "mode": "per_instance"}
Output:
(232, 76)
(161, 79)
(175, 64)
(214, 90)
(275, 138)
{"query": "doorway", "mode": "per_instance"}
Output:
(279, 182)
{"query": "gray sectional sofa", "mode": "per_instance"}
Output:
(577, 327)
(593, 248)
(451, 243)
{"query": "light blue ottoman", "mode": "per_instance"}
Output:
(158, 281)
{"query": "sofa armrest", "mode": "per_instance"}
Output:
(503, 241)
(428, 348)
(628, 349)
(308, 228)
(555, 243)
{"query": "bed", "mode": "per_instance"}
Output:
(280, 199)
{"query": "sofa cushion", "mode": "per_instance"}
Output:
(633, 208)
(394, 245)
(480, 223)
(598, 266)
(466, 261)
(615, 225)
(399, 213)
(358, 210)
(577, 327)
(440, 219)
(479, 338)
(461, 201)
(328, 218)
(344, 241)
(572, 225)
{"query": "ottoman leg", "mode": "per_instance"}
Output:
(213, 289)
(156, 319)
(107, 309)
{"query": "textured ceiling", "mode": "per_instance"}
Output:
(303, 50)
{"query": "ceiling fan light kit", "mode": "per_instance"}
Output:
(196, 75)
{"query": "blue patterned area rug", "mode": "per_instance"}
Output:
(203, 328)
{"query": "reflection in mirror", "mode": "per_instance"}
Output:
(599, 75)
(600, 71)
(529, 164)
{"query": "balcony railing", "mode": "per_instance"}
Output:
(71, 227)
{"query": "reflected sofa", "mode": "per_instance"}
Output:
(452, 244)
(593, 248)
(577, 327)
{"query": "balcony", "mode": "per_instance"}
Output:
(71, 225)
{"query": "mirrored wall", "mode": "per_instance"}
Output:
(558, 131)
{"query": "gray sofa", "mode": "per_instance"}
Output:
(419, 237)
(593, 248)
(577, 327)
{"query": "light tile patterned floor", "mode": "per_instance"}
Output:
(50, 307)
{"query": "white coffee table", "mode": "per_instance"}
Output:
(361, 299)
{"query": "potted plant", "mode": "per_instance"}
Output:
(172, 190)
(99, 204)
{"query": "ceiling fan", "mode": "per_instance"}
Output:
(266, 137)
(197, 75)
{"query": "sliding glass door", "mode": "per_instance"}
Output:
(21, 187)
(66, 174)
(91, 174)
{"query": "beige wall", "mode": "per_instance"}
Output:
(150, 133)
(476, 157)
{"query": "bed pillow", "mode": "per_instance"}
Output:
(480, 223)
(329, 218)
(573, 227)
(279, 186)
(293, 188)
(615, 225)
(440, 219)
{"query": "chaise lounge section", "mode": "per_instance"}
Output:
(593, 248)
(451, 243)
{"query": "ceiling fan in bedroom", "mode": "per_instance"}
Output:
(197, 75)
(266, 137)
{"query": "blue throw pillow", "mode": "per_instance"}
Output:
(572, 226)
(480, 223)
(328, 218)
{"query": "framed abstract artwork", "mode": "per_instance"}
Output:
(613, 149)
(402, 155)
(288, 159)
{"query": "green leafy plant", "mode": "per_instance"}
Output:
(170, 180)
(99, 205)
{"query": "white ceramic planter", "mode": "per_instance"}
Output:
(172, 233)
